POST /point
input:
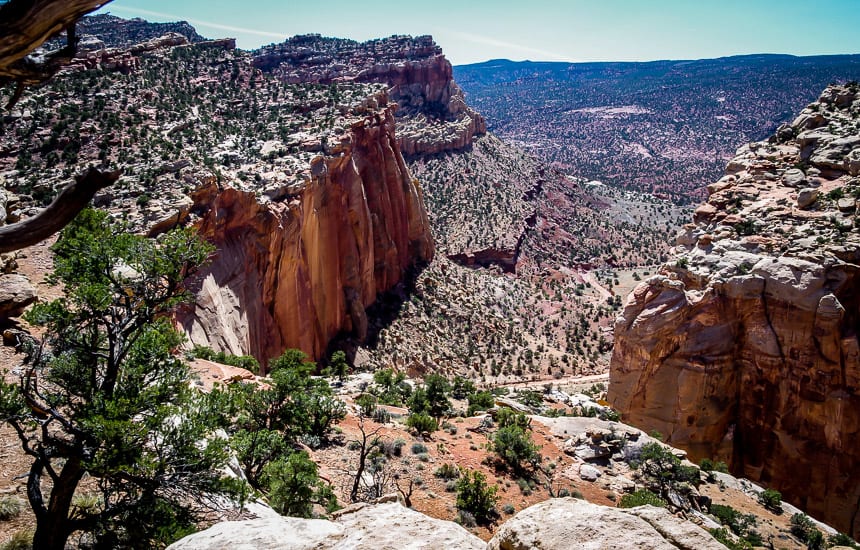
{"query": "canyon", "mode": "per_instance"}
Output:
(744, 348)
(356, 201)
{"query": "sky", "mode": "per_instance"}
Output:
(471, 31)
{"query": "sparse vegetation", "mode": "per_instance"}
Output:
(641, 497)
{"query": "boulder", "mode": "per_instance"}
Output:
(563, 523)
(16, 293)
(807, 197)
(588, 472)
(362, 527)
(794, 178)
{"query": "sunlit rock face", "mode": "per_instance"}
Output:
(745, 347)
(293, 273)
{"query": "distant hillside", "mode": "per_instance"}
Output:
(117, 32)
(667, 127)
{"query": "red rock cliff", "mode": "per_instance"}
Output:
(745, 347)
(295, 272)
(432, 117)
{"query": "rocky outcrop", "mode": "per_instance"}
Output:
(553, 525)
(125, 60)
(572, 523)
(745, 347)
(16, 293)
(362, 527)
(433, 116)
(298, 270)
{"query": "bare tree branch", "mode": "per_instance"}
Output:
(71, 200)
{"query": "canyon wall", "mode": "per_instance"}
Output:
(744, 348)
(297, 271)
(432, 115)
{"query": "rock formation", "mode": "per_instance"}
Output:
(433, 116)
(553, 525)
(297, 271)
(370, 527)
(745, 347)
(572, 523)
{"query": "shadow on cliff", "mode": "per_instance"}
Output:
(380, 315)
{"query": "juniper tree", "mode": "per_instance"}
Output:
(104, 397)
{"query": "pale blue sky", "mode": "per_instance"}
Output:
(572, 30)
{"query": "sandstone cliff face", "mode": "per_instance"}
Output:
(745, 347)
(433, 116)
(297, 271)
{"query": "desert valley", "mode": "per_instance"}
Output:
(330, 293)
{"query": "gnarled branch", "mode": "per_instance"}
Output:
(71, 200)
(24, 26)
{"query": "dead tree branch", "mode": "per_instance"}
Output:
(71, 200)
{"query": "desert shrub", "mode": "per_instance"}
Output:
(508, 508)
(242, 361)
(722, 536)
(295, 487)
(771, 499)
(740, 524)
(641, 498)
(394, 448)
(381, 416)
(476, 497)
(10, 507)
(804, 529)
(447, 471)
(841, 539)
(480, 401)
(366, 404)
(419, 448)
(422, 423)
(664, 469)
(515, 448)
(20, 540)
(462, 387)
(530, 398)
(466, 519)
(508, 417)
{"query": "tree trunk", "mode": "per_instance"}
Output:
(53, 526)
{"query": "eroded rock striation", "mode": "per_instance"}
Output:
(433, 116)
(295, 272)
(744, 348)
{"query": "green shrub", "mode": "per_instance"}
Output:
(447, 471)
(722, 536)
(419, 448)
(21, 540)
(422, 423)
(508, 417)
(294, 486)
(480, 401)
(366, 404)
(515, 448)
(771, 499)
(476, 497)
(508, 509)
(804, 529)
(641, 498)
(841, 539)
(241, 361)
(10, 507)
(740, 524)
